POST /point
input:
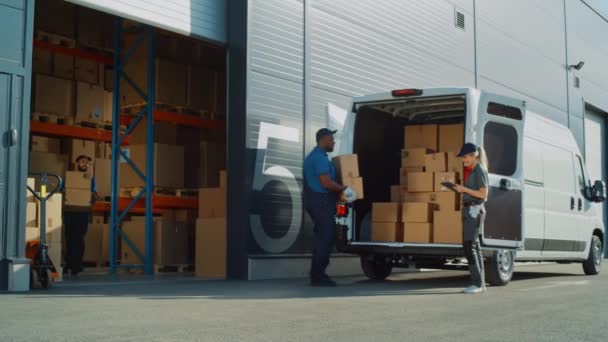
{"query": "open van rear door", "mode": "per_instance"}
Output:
(501, 133)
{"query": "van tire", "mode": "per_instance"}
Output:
(499, 267)
(593, 264)
(376, 268)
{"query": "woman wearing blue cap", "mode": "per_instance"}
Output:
(474, 195)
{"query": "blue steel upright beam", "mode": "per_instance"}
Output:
(150, 150)
(115, 143)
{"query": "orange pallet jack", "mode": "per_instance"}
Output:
(42, 270)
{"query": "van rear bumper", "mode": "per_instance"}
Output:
(403, 249)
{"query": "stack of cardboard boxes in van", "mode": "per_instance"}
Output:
(210, 249)
(427, 210)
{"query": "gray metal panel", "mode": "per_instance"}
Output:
(200, 18)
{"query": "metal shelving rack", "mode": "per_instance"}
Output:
(118, 136)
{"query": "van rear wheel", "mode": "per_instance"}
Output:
(499, 267)
(593, 264)
(375, 267)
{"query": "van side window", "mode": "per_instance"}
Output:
(583, 182)
(500, 143)
(505, 111)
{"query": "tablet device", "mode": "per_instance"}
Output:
(449, 185)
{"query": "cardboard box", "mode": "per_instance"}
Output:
(451, 137)
(108, 102)
(417, 212)
(454, 164)
(212, 203)
(103, 176)
(420, 182)
(403, 172)
(170, 241)
(78, 180)
(396, 193)
(387, 231)
(78, 197)
(168, 166)
(54, 222)
(441, 177)
(92, 244)
(444, 200)
(29, 197)
(447, 227)
(201, 88)
(414, 157)
(347, 166)
(31, 215)
(63, 66)
(89, 102)
(45, 144)
(435, 162)
(53, 95)
(108, 151)
(42, 62)
(211, 248)
(164, 133)
(171, 80)
(417, 232)
(386, 212)
(212, 160)
(80, 147)
(223, 179)
(424, 136)
(86, 70)
(48, 162)
(355, 183)
(108, 79)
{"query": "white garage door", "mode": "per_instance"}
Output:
(199, 18)
(595, 147)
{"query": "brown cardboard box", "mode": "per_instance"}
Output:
(42, 62)
(420, 182)
(223, 179)
(170, 241)
(414, 157)
(164, 133)
(100, 149)
(445, 200)
(31, 183)
(454, 163)
(103, 175)
(63, 66)
(212, 160)
(78, 197)
(78, 180)
(92, 243)
(108, 151)
(441, 177)
(403, 172)
(108, 102)
(435, 162)
(86, 70)
(201, 88)
(108, 79)
(421, 136)
(80, 147)
(347, 166)
(447, 227)
(212, 203)
(387, 231)
(89, 102)
(396, 193)
(211, 248)
(171, 80)
(417, 212)
(355, 183)
(417, 232)
(54, 222)
(45, 144)
(386, 212)
(31, 215)
(48, 162)
(451, 137)
(168, 166)
(97, 218)
(53, 95)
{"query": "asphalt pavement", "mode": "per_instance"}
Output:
(543, 303)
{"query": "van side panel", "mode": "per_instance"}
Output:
(534, 200)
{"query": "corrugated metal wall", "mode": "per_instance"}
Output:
(200, 18)
(308, 58)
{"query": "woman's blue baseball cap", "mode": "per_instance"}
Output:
(466, 149)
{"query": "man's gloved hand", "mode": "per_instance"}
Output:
(349, 194)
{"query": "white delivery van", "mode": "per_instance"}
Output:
(542, 205)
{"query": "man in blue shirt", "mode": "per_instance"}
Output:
(321, 193)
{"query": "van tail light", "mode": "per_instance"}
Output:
(341, 209)
(406, 92)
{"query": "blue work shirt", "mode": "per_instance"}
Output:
(317, 163)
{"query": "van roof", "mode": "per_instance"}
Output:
(426, 92)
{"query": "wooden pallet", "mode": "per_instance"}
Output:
(134, 109)
(168, 192)
(55, 39)
(50, 118)
(180, 268)
(95, 264)
(94, 124)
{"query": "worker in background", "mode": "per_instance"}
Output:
(321, 193)
(475, 194)
(76, 222)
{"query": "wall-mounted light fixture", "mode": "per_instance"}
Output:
(578, 66)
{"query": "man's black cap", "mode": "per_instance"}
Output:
(83, 156)
(466, 149)
(323, 132)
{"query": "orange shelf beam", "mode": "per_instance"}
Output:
(180, 119)
(160, 204)
(76, 52)
(72, 131)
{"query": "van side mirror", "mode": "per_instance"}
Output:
(598, 191)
